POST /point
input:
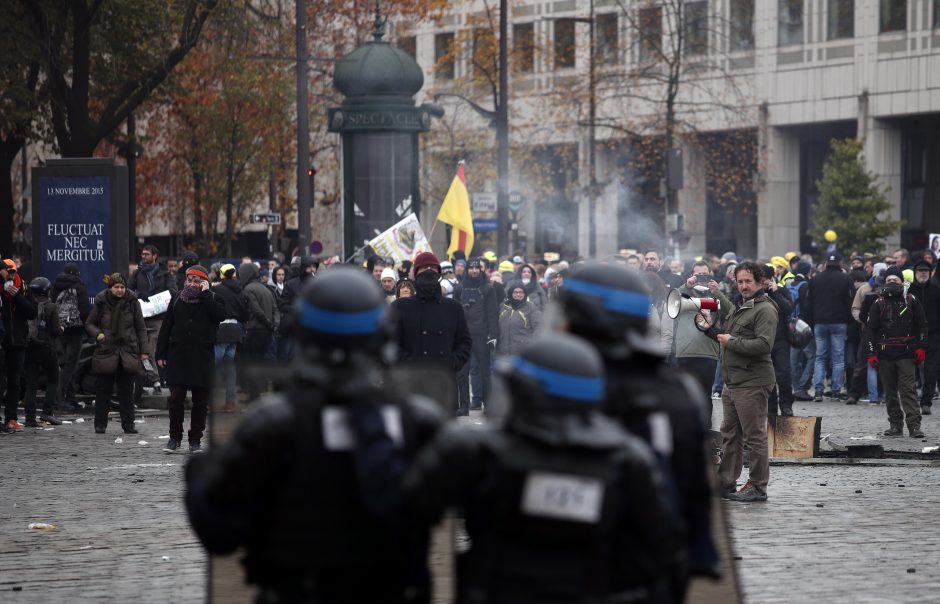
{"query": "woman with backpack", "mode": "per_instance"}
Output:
(117, 325)
(71, 300)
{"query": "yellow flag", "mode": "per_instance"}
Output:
(455, 211)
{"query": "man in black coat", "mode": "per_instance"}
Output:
(185, 349)
(781, 397)
(231, 331)
(481, 306)
(71, 299)
(431, 329)
(927, 292)
(17, 308)
(829, 311)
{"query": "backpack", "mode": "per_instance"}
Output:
(794, 289)
(67, 305)
(37, 333)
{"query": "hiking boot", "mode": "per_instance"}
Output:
(50, 419)
(893, 431)
(749, 492)
(172, 445)
(725, 491)
(916, 433)
(130, 430)
(100, 429)
(786, 411)
(838, 396)
(817, 399)
(14, 425)
(31, 423)
(851, 400)
(925, 410)
(802, 396)
(195, 447)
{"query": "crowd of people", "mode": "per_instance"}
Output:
(611, 369)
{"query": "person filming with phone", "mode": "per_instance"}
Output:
(692, 348)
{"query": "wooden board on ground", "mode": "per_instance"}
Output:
(794, 437)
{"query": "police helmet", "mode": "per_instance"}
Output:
(555, 372)
(608, 305)
(340, 312)
(40, 285)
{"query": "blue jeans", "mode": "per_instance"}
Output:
(225, 361)
(872, 376)
(801, 367)
(830, 344)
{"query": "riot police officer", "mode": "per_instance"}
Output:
(294, 485)
(561, 504)
(608, 305)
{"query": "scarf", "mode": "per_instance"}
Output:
(117, 308)
(427, 285)
(190, 294)
(148, 269)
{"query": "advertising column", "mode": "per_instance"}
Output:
(80, 216)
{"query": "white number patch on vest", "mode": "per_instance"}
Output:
(338, 434)
(563, 496)
(660, 433)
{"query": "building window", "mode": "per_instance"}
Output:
(936, 13)
(695, 24)
(651, 33)
(485, 53)
(893, 15)
(523, 47)
(789, 22)
(841, 19)
(564, 43)
(444, 55)
(742, 24)
(606, 38)
(408, 44)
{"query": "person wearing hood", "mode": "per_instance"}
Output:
(404, 269)
(431, 329)
(897, 342)
(185, 349)
(306, 268)
(388, 281)
(530, 281)
(801, 360)
(117, 325)
(927, 292)
(518, 320)
(41, 359)
(231, 331)
(481, 307)
(264, 319)
(70, 295)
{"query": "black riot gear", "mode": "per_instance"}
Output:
(296, 485)
(608, 305)
(338, 313)
(662, 405)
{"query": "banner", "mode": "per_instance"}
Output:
(156, 304)
(402, 241)
(75, 223)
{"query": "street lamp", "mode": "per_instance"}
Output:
(499, 119)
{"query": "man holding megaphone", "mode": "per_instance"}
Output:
(696, 308)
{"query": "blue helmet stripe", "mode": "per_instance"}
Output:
(565, 385)
(340, 323)
(616, 300)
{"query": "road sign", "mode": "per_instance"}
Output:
(485, 224)
(515, 202)
(266, 218)
(484, 202)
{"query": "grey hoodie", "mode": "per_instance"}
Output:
(262, 305)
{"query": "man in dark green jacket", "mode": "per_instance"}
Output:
(747, 341)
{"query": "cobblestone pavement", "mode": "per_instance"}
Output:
(121, 532)
(119, 512)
